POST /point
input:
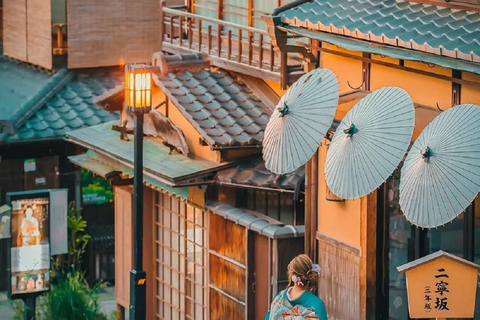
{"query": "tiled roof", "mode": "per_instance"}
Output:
(254, 223)
(219, 105)
(170, 169)
(254, 173)
(22, 87)
(69, 109)
(427, 28)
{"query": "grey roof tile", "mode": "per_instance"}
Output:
(71, 108)
(86, 112)
(422, 27)
(219, 105)
(253, 173)
(252, 222)
(93, 121)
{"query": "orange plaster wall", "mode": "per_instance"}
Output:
(470, 94)
(427, 91)
(276, 87)
(345, 69)
(424, 90)
(339, 220)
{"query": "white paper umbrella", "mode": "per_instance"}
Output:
(441, 173)
(369, 143)
(300, 121)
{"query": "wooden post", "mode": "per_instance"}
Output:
(250, 13)
(260, 48)
(250, 48)
(209, 38)
(239, 58)
(272, 56)
(219, 40)
(283, 70)
(172, 31)
(162, 24)
(368, 228)
(308, 209)
(180, 30)
(190, 33)
(200, 35)
(229, 44)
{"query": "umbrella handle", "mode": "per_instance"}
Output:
(350, 130)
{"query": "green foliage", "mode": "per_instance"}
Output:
(73, 299)
(78, 239)
(17, 307)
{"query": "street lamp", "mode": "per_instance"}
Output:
(138, 100)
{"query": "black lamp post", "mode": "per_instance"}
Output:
(138, 100)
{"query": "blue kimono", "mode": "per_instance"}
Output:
(309, 303)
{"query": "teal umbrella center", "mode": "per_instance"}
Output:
(350, 130)
(426, 153)
(283, 110)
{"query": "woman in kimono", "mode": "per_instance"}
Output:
(297, 301)
(29, 231)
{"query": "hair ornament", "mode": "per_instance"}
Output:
(316, 268)
(296, 279)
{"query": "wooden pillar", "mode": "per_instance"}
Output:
(308, 207)
(250, 13)
(220, 10)
(368, 243)
(162, 24)
(149, 249)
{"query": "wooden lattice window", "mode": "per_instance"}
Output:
(181, 247)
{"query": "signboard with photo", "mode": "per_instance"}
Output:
(34, 215)
(30, 251)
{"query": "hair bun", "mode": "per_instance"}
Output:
(312, 276)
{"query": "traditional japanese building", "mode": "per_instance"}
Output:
(431, 50)
(39, 103)
(212, 210)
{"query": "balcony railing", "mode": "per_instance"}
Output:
(59, 38)
(236, 47)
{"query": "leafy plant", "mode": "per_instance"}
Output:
(72, 298)
(78, 239)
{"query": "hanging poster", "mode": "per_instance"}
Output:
(30, 249)
(29, 165)
(5, 217)
(95, 190)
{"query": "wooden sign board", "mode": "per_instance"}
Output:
(441, 285)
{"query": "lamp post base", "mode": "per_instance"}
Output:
(138, 295)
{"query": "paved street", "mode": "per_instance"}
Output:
(106, 299)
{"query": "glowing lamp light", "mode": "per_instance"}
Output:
(138, 88)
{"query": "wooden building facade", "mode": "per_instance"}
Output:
(359, 243)
(207, 228)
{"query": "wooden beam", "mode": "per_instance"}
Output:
(395, 66)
